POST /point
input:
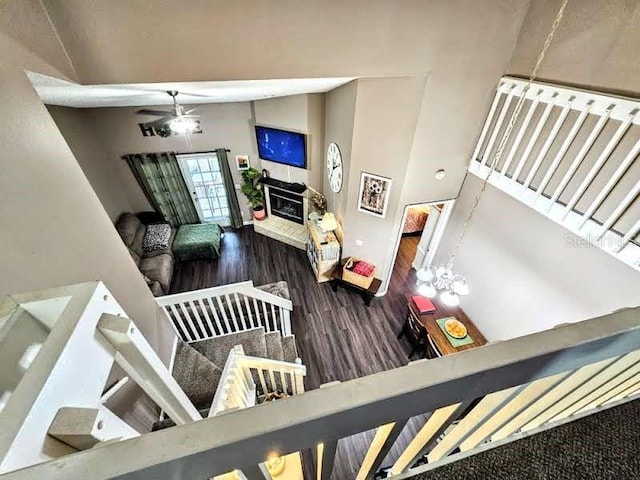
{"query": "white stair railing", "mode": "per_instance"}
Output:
(575, 164)
(216, 311)
(478, 399)
(58, 348)
(237, 388)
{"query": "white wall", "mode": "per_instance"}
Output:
(80, 134)
(224, 125)
(55, 231)
(595, 47)
(284, 39)
(526, 272)
(338, 128)
(29, 25)
(385, 120)
(298, 113)
(315, 139)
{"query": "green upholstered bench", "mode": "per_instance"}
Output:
(198, 241)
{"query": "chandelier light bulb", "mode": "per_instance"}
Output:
(427, 290)
(450, 299)
(425, 274)
(431, 280)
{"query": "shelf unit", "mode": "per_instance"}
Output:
(323, 250)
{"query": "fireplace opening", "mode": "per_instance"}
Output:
(287, 205)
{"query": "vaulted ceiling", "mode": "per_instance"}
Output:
(143, 41)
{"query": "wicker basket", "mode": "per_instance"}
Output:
(355, 278)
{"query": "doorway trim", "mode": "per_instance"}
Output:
(434, 243)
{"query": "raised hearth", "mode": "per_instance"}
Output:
(283, 231)
(287, 211)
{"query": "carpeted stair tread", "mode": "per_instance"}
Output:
(167, 422)
(217, 349)
(279, 289)
(197, 375)
(289, 349)
(274, 346)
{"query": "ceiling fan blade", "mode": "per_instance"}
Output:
(159, 113)
(194, 94)
(192, 110)
(159, 122)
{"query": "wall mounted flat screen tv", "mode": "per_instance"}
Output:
(281, 146)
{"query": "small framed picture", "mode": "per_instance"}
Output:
(374, 194)
(242, 162)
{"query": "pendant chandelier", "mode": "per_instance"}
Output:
(443, 279)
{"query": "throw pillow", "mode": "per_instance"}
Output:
(157, 237)
(147, 279)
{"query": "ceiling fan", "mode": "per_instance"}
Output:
(177, 119)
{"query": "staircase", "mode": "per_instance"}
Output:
(199, 367)
(210, 323)
(235, 350)
(256, 365)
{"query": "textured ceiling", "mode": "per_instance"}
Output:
(54, 91)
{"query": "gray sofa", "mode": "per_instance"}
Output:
(157, 265)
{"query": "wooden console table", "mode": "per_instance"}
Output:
(366, 293)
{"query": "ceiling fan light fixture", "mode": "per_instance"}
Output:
(183, 125)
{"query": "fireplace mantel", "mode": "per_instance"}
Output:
(297, 188)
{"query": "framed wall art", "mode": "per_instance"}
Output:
(374, 194)
(242, 162)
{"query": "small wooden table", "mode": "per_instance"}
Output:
(366, 293)
(439, 338)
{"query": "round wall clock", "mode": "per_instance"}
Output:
(334, 167)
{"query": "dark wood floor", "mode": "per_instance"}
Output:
(338, 337)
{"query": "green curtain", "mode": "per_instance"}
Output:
(230, 188)
(161, 180)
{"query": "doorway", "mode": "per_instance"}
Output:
(202, 174)
(417, 242)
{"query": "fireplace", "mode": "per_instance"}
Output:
(286, 204)
(287, 210)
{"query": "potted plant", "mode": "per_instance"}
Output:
(253, 192)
